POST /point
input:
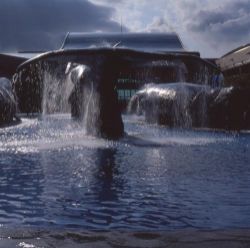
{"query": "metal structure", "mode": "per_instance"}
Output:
(236, 66)
(132, 59)
(147, 42)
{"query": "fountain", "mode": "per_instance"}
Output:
(167, 104)
(84, 85)
(95, 85)
(190, 105)
(58, 173)
(94, 101)
(7, 102)
(87, 82)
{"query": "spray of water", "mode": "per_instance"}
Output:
(85, 98)
(56, 92)
(175, 103)
(172, 103)
(180, 110)
(90, 109)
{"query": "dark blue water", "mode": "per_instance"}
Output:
(53, 175)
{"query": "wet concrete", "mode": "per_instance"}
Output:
(30, 238)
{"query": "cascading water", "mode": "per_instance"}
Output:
(90, 108)
(55, 94)
(174, 102)
(84, 98)
(191, 105)
(181, 71)
(180, 110)
(165, 103)
(87, 107)
(7, 102)
(76, 89)
(54, 176)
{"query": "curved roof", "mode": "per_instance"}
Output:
(235, 58)
(236, 50)
(150, 42)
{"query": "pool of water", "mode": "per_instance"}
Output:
(155, 178)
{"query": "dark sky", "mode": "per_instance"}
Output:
(212, 27)
(39, 25)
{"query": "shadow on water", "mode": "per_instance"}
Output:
(140, 142)
(109, 183)
(154, 178)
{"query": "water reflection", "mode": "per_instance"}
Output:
(155, 178)
(21, 188)
(109, 183)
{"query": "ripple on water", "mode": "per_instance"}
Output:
(52, 174)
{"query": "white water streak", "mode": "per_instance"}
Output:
(56, 92)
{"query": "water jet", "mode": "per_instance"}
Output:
(188, 105)
(97, 81)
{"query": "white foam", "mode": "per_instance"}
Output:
(50, 133)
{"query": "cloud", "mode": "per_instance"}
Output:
(223, 26)
(159, 24)
(36, 25)
(210, 26)
(135, 14)
(228, 22)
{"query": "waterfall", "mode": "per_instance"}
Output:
(56, 91)
(87, 107)
(180, 109)
(174, 104)
(84, 98)
(90, 109)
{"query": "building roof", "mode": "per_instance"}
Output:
(149, 42)
(235, 58)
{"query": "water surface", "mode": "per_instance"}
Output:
(53, 175)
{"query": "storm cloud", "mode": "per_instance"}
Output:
(210, 26)
(42, 25)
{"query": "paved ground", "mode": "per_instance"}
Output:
(74, 239)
